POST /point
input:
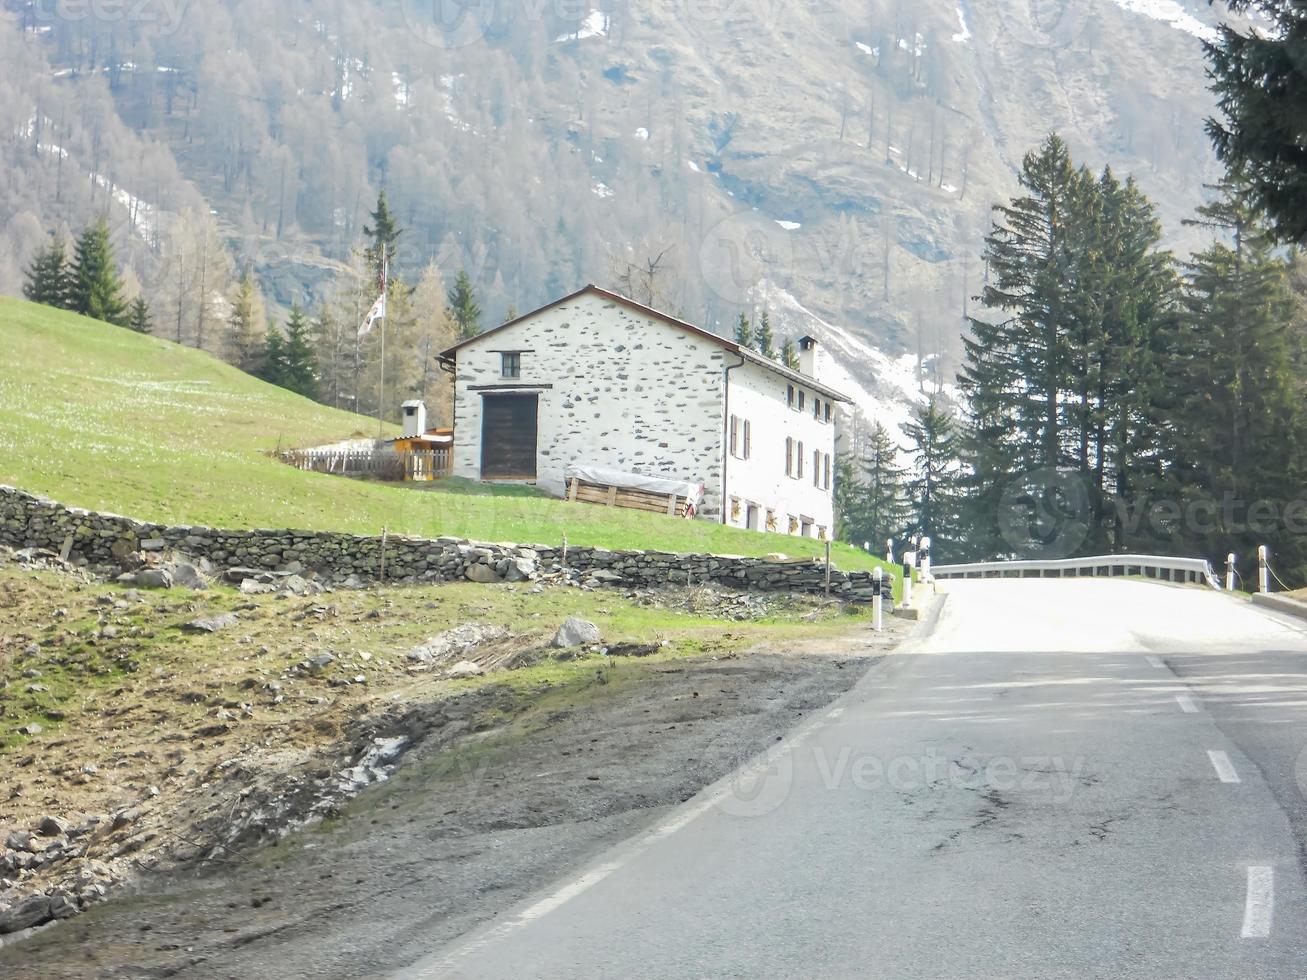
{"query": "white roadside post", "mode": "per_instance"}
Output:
(1229, 572)
(877, 612)
(925, 560)
(889, 551)
(909, 561)
(1263, 577)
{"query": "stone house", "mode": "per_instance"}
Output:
(597, 379)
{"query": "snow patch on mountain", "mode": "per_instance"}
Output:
(1172, 14)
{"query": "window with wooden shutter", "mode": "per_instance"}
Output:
(735, 430)
(826, 481)
(748, 439)
(816, 468)
(799, 463)
(789, 456)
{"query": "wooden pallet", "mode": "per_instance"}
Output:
(611, 496)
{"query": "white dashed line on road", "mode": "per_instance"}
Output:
(1187, 704)
(1223, 766)
(1259, 905)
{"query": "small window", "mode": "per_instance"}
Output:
(789, 396)
(826, 477)
(816, 468)
(816, 409)
(510, 364)
(799, 463)
(827, 407)
(748, 439)
(735, 436)
(801, 394)
(789, 456)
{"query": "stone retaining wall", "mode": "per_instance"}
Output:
(106, 542)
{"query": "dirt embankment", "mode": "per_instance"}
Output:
(216, 743)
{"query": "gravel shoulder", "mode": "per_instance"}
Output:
(508, 781)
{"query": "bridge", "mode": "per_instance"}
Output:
(1187, 570)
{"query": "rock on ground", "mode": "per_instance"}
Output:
(576, 632)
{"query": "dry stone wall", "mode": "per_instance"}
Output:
(107, 542)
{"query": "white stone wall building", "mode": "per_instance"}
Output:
(598, 379)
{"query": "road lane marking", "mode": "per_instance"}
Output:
(1223, 766)
(1187, 704)
(1259, 906)
(1155, 662)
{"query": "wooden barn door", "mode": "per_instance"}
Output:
(508, 437)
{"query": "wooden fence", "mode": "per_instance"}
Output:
(380, 464)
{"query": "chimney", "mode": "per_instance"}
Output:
(810, 357)
(415, 419)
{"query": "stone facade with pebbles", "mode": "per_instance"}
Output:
(107, 543)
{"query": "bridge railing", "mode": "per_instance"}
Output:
(1150, 566)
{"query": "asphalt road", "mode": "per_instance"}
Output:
(1087, 778)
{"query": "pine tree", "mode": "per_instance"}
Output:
(1259, 76)
(139, 318)
(744, 331)
(762, 338)
(274, 368)
(384, 232)
(296, 356)
(245, 337)
(870, 491)
(49, 279)
(1235, 423)
(932, 481)
(96, 286)
(463, 307)
(789, 355)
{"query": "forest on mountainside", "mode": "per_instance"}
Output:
(837, 160)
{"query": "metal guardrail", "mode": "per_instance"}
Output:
(1150, 566)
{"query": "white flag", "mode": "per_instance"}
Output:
(378, 312)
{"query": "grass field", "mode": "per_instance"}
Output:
(96, 416)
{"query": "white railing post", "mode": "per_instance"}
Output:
(877, 613)
(925, 559)
(1229, 572)
(889, 551)
(909, 560)
(1263, 575)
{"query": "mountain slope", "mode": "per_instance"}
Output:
(845, 154)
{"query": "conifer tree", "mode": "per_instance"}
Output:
(932, 480)
(245, 338)
(96, 285)
(273, 367)
(870, 490)
(743, 331)
(789, 356)
(297, 360)
(762, 337)
(1234, 412)
(49, 277)
(139, 318)
(384, 233)
(463, 307)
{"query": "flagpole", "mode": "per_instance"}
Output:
(381, 395)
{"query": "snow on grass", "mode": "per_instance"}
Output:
(1172, 14)
(964, 32)
(594, 25)
(601, 189)
(642, 134)
(403, 97)
(789, 225)
(868, 50)
(693, 166)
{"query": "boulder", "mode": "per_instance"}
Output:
(52, 827)
(481, 573)
(211, 624)
(454, 642)
(520, 570)
(187, 576)
(464, 668)
(33, 911)
(153, 578)
(576, 632)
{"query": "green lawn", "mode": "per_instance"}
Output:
(99, 417)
